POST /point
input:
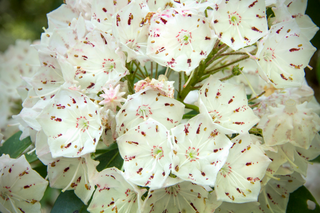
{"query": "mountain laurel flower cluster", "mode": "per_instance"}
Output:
(167, 106)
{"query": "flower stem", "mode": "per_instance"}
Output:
(190, 106)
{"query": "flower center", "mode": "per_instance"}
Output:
(235, 18)
(157, 152)
(108, 65)
(173, 190)
(225, 170)
(290, 106)
(131, 198)
(192, 154)
(268, 55)
(144, 111)
(184, 37)
(82, 123)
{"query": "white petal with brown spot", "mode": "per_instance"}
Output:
(200, 150)
(21, 187)
(227, 105)
(72, 123)
(146, 150)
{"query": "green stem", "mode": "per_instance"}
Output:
(138, 66)
(226, 65)
(190, 106)
(145, 69)
(234, 53)
(156, 75)
(179, 88)
(220, 51)
(227, 77)
(151, 68)
(130, 79)
(256, 97)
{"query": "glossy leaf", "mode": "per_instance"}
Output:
(316, 160)
(68, 202)
(190, 114)
(32, 157)
(14, 147)
(109, 159)
(298, 201)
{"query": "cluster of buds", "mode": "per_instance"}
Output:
(205, 100)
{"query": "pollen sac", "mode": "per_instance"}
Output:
(72, 124)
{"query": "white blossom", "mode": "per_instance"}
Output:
(238, 181)
(21, 187)
(227, 105)
(114, 193)
(292, 122)
(148, 104)
(200, 150)
(182, 197)
(130, 30)
(274, 196)
(283, 54)
(98, 60)
(147, 154)
(72, 123)
(67, 173)
(240, 23)
(179, 39)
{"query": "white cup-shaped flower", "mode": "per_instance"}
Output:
(227, 105)
(238, 181)
(72, 123)
(114, 193)
(274, 196)
(98, 60)
(67, 173)
(103, 13)
(21, 187)
(147, 154)
(240, 23)
(200, 150)
(130, 30)
(179, 39)
(182, 197)
(149, 104)
(291, 122)
(283, 54)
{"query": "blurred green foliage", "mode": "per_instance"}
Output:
(23, 19)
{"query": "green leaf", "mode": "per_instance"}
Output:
(190, 114)
(41, 169)
(31, 157)
(111, 147)
(109, 159)
(316, 160)
(68, 202)
(14, 147)
(298, 201)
